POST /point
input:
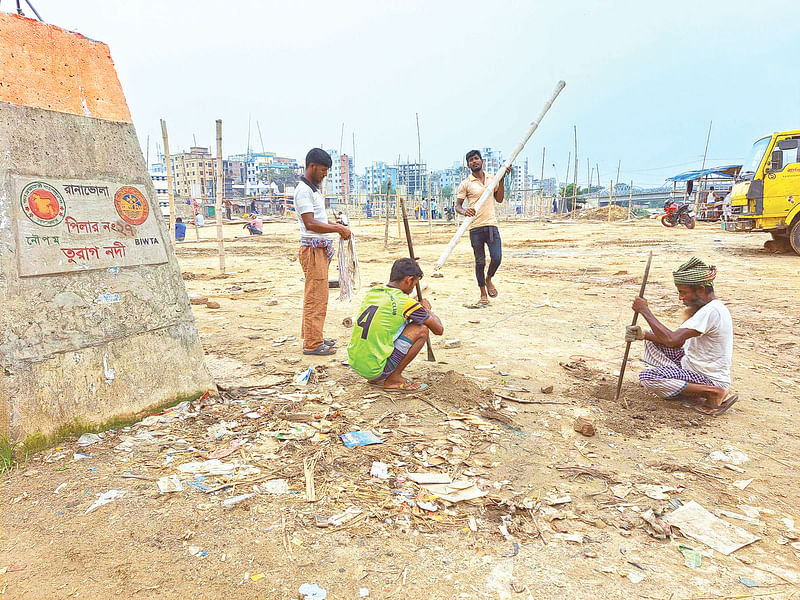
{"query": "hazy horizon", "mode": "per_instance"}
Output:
(643, 82)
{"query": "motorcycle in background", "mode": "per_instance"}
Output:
(678, 214)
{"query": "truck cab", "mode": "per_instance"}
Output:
(766, 194)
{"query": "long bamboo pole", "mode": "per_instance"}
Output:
(498, 177)
(170, 191)
(635, 318)
(218, 208)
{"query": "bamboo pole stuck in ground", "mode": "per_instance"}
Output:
(218, 207)
(628, 344)
(431, 357)
(498, 177)
(170, 190)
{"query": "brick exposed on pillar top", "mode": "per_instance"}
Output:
(44, 66)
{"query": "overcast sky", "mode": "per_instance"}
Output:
(643, 79)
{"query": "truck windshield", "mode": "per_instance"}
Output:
(754, 159)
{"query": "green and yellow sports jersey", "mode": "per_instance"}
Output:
(382, 315)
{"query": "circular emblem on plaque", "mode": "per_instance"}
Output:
(43, 204)
(131, 205)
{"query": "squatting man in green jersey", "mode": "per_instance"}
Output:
(391, 329)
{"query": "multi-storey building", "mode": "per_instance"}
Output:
(414, 177)
(341, 176)
(377, 175)
(193, 173)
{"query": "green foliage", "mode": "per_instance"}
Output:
(447, 192)
(282, 177)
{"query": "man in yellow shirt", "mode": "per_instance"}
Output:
(483, 228)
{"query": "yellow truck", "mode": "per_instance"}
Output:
(766, 194)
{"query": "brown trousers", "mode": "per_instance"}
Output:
(315, 265)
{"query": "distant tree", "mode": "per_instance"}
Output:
(566, 193)
(282, 177)
(447, 192)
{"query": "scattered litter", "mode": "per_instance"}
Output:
(514, 550)
(80, 456)
(455, 491)
(621, 490)
(207, 467)
(659, 528)
(347, 322)
(745, 518)
(61, 487)
(546, 389)
(303, 377)
(379, 470)
(105, 498)
(455, 343)
(654, 492)
(360, 438)
(729, 454)
(363, 592)
(633, 576)
(297, 432)
(429, 506)
(556, 500)
(483, 367)
(197, 551)
(87, 439)
(348, 515)
(748, 582)
(224, 451)
(257, 576)
(576, 538)
(696, 522)
(231, 502)
(170, 483)
(742, 484)
(691, 557)
(311, 591)
(274, 486)
(427, 478)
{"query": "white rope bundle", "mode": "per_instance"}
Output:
(349, 273)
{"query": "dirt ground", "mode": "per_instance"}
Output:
(562, 514)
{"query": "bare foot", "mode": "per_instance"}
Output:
(715, 398)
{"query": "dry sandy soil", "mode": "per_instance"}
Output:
(565, 294)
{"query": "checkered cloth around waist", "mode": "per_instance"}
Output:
(319, 243)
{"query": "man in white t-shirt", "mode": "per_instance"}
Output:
(695, 359)
(316, 251)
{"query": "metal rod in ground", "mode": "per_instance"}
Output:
(431, 357)
(635, 318)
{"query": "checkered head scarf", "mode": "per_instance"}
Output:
(695, 272)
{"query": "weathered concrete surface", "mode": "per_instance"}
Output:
(56, 329)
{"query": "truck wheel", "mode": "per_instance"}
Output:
(794, 236)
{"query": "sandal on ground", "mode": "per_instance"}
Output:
(330, 342)
(493, 294)
(321, 350)
(408, 387)
(716, 411)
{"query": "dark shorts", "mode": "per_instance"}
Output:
(401, 347)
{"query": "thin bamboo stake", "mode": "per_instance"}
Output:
(610, 188)
(575, 175)
(541, 188)
(386, 226)
(498, 177)
(218, 208)
(630, 201)
(170, 191)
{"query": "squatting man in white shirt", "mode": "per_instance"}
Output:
(694, 361)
